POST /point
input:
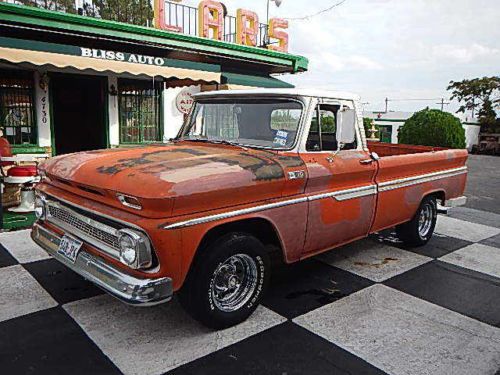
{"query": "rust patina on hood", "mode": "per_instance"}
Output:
(196, 176)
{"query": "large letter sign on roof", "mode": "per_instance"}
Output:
(276, 27)
(247, 27)
(211, 17)
(159, 19)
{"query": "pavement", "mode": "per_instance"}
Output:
(372, 307)
(483, 185)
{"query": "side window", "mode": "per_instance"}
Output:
(324, 140)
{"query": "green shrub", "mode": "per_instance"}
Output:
(432, 127)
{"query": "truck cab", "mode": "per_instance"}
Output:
(250, 173)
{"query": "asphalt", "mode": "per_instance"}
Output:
(483, 185)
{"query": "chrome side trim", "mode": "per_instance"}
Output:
(127, 288)
(226, 215)
(343, 195)
(420, 179)
(340, 195)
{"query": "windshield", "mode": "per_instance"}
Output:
(269, 123)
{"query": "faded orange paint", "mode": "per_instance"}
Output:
(332, 222)
(188, 180)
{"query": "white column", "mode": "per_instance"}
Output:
(42, 107)
(394, 135)
(114, 122)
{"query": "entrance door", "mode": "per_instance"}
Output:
(78, 112)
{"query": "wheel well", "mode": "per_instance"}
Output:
(261, 229)
(439, 195)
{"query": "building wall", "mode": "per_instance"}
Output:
(42, 108)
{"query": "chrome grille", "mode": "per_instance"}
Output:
(70, 220)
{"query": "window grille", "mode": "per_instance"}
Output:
(17, 117)
(139, 111)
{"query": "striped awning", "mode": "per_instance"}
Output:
(106, 61)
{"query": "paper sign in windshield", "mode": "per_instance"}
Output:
(281, 138)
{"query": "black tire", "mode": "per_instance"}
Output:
(420, 229)
(216, 268)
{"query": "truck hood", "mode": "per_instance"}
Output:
(197, 176)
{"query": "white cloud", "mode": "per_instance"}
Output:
(390, 48)
(464, 54)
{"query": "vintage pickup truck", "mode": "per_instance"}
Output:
(250, 174)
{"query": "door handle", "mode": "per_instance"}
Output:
(366, 161)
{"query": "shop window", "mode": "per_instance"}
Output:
(17, 113)
(139, 111)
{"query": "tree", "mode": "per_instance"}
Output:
(476, 93)
(137, 12)
(67, 6)
(432, 127)
(487, 117)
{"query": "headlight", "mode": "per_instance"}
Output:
(135, 250)
(40, 207)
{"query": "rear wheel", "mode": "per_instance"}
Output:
(227, 282)
(419, 230)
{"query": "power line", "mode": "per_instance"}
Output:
(442, 102)
(317, 13)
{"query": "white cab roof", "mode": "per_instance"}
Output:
(316, 93)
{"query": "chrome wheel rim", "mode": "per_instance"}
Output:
(234, 282)
(425, 220)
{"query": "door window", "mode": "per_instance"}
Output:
(322, 135)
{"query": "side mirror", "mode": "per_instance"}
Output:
(346, 130)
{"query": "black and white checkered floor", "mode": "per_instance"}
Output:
(369, 308)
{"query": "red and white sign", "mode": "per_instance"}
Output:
(184, 101)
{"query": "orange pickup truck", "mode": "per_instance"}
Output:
(250, 173)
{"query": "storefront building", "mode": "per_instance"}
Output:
(72, 83)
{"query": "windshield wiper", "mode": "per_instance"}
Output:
(205, 140)
(226, 142)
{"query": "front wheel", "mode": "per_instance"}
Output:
(419, 230)
(227, 282)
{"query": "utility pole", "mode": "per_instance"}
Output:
(442, 103)
(386, 105)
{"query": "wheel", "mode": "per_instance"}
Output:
(419, 230)
(227, 281)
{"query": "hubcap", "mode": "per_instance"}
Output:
(425, 220)
(234, 282)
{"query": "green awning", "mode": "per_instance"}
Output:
(254, 81)
(37, 53)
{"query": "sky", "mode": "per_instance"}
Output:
(400, 49)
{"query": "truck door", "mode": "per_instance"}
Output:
(341, 183)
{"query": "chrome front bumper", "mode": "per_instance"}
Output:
(129, 289)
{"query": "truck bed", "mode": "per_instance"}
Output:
(391, 149)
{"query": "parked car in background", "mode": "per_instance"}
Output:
(250, 173)
(489, 143)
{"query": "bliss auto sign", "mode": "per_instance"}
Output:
(211, 24)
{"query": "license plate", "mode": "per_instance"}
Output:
(69, 247)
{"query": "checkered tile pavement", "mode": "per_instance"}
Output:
(372, 307)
